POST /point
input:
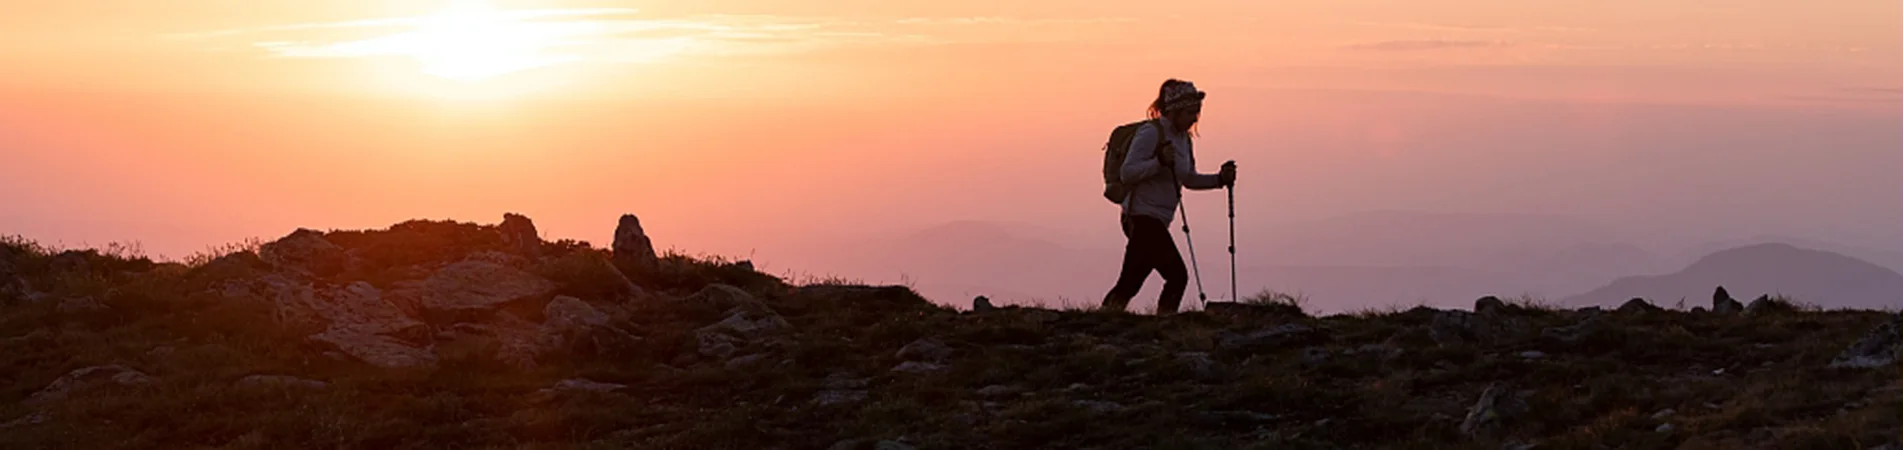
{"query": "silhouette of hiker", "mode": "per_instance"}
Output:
(1160, 163)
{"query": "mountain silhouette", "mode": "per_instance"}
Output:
(1826, 279)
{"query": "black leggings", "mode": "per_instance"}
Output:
(1150, 247)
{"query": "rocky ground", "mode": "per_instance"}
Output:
(456, 335)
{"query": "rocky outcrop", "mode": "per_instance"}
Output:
(304, 251)
(476, 286)
(1496, 408)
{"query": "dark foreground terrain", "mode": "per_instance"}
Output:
(454, 335)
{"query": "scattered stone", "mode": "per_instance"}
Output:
(1455, 328)
(80, 305)
(1489, 305)
(632, 247)
(838, 396)
(1533, 354)
(915, 367)
(1314, 356)
(867, 444)
(279, 381)
(997, 390)
(1585, 330)
(377, 350)
(518, 232)
(841, 380)
(1269, 339)
(745, 361)
(586, 385)
(1882, 347)
(1098, 406)
(1257, 310)
(87, 378)
(925, 349)
(1698, 310)
(161, 351)
(36, 418)
(1722, 303)
(1203, 367)
(1664, 428)
(1664, 413)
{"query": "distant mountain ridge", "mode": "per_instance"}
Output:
(1827, 279)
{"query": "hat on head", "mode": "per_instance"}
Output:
(1181, 95)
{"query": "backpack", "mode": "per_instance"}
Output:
(1113, 154)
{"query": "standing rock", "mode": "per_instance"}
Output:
(1881, 348)
(480, 286)
(304, 251)
(518, 232)
(982, 304)
(632, 247)
(1722, 303)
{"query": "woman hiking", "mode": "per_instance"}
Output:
(1161, 162)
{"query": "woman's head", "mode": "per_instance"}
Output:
(1179, 101)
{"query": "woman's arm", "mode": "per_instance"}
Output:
(1140, 163)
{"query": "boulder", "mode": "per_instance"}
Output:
(925, 349)
(571, 324)
(1882, 347)
(1496, 407)
(476, 286)
(1638, 306)
(632, 247)
(378, 350)
(982, 304)
(304, 251)
(1489, 305)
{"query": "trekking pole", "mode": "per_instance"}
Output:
(1232, 245)
(1202, 299)
(1231, 188)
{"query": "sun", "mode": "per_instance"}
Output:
(475, 42)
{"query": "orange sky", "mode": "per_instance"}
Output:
(733, 125)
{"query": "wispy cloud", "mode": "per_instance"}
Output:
(1873, 90)
(542, 37)
(1414, 45)
(1418, 26)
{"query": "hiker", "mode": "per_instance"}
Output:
(1159, 164)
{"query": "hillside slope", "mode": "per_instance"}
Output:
(457, 335)
(1825, 278)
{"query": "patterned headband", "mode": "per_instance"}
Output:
(1182, 95)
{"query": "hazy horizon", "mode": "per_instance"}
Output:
(782, 132)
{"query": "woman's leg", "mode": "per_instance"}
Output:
(1136, 268)
(1169, 263)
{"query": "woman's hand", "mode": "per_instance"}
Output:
(1166, 155)
(1228, 174)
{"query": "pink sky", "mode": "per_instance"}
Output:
(776, 127)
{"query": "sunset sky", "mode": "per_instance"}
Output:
(781, 129)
